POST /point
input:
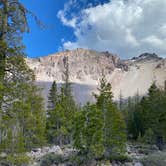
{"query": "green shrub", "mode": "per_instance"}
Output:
(121, 158)
(78, 160)
(50, 159)
(15, 160)
(81, 159)
(149, 137)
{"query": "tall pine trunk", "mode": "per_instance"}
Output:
(3, 48)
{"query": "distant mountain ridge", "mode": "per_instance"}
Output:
(86, 67)
(147, 56)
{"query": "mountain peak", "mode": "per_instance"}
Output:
(146, 57)
(86, 68)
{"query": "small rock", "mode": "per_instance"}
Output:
(154, 147)
(3, 155)
(138, 164)
(128, 164)
(45, 149)
(56, 149)
(114, 163)
(35, 164)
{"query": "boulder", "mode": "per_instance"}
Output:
(45, 149)
(56, 150)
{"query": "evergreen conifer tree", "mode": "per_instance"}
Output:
(13, 23)
(99, 129)
(60, 118)
(22, 114)
(88, 132)
(53, 96)
(148, 117)
(68, 102)
(114, 130)
(121, 102)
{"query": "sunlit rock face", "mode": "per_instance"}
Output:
(86, 67)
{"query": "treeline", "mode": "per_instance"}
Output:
(146, 116)
(102, 129)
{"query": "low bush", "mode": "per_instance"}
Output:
(78, 160)
(15, 160)
(51, 159)
(120, 158)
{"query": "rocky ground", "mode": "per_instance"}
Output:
(137, 155)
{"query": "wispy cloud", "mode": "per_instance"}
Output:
(124, 27)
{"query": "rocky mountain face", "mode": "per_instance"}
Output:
(127, 77)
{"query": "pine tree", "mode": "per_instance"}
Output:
(147, 118)
(13, 23)
(60, 118)
(121, 101)
(56, 120)
(23, 115)
(165, 86)
(88, 135)
(56, 126)
(99, 130)
(53, 117)
(154, 113)
(114, 133)
(53, 96)
(135, 124)
(67, 101)
(137, 98)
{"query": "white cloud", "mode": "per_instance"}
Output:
(63, 13)
(65, 21)
(127, 28)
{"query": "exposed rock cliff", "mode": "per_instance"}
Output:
(86, 67)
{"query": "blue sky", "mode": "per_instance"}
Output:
(124, 27)
(41, 42)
